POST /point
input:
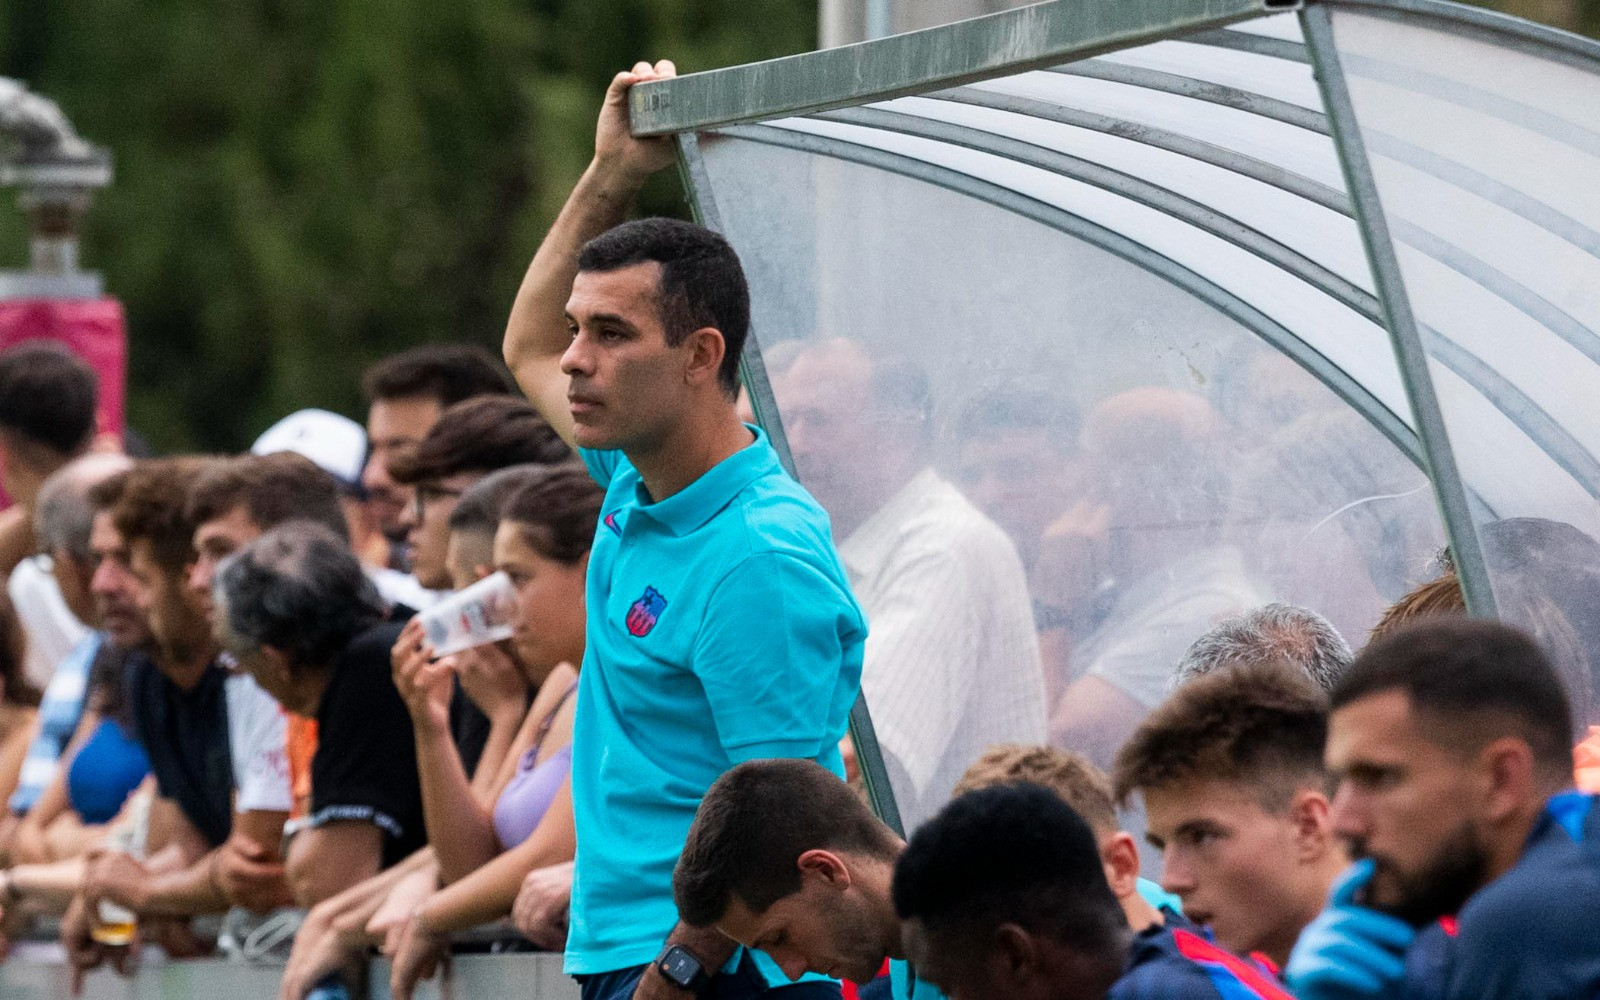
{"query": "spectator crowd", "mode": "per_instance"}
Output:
(558, 645)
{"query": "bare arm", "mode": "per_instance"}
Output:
(459, 825)
(487, 894)
(536, 335)
(331, 858)
(31, 845)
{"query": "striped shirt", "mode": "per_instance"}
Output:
(952, 659)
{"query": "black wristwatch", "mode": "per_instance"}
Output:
(681, 968)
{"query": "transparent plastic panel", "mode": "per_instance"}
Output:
(1049, 469)
(1486, 153)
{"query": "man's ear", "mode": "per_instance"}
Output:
(1014, 955)
(1119, 854)
(706, 351)
(1313, 826)
(825, 865)
(1509, 778)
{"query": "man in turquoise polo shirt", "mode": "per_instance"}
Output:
(721, 627)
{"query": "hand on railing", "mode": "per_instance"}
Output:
(417, 957)
(543, 902)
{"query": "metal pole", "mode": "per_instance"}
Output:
(880, 18)
(1410, 353)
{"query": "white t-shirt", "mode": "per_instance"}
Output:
(53, 630)
(257, 742)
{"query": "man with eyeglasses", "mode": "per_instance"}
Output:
(472, 439)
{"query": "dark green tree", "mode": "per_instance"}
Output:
(305, 185)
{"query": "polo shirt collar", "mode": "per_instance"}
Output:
(691, 507)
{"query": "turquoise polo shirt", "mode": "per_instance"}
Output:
(905, 984)
(721, 629)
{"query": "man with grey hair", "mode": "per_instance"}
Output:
(62, 519)
(303, 619)
(1282, 632)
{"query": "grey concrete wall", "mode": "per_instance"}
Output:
(39, 972)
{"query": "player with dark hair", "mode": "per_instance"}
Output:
(406, 393)
(1451, 744)
(1003, 895)
(1230, 771)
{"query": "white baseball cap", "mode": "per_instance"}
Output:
(336, 443)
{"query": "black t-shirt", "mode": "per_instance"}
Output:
(185, 734)
(469, 727)
(365, 768)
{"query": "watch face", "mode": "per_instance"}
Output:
(680, 967)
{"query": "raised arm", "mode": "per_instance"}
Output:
(536, 334)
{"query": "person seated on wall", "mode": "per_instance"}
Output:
(952, 659)
(232, 504)
(542, 545)
(214, 739)
(102, 768)
(1003, 895)
(1017, 459)
(1230, 770)
(1277, 633)
(340, 929)
(1157, 471)
(303, 620)
(61, 524)
(405, 395)
(1450, 745)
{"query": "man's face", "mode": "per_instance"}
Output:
(826, 398)
(214, 541)
(117, 592)
(1017, 476)
(1234, 864)
(549, 626)
(822, 928)
(394, 427)
(427, 524)
(179, 624)
(1408, 803)
(627, 386)
(976, 970)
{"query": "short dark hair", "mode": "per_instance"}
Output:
(48, 396)
(297, 588)
(1080, 784)
(1016, 854)
(481, 435)
(447, 373)
(752, 826)
(272, 489)
(1262, 725)
(556, 511)
(702, 282)
(479, 508)
(152, 505)
(1471, 681)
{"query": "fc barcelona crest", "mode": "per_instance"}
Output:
(646, 611)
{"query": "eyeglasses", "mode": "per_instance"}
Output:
(422, 495)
